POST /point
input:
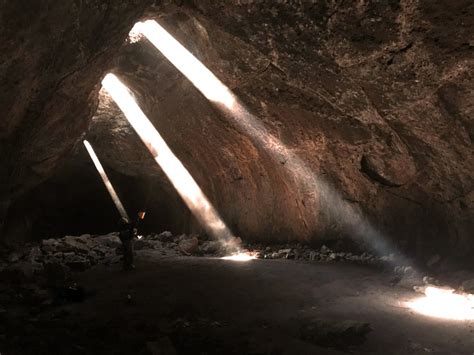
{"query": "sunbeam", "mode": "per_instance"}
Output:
(179, 176)
(106, 180)
(319, 196)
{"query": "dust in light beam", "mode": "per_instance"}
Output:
(106, 180)
(196, 72)
(178, 175)
(318, 195)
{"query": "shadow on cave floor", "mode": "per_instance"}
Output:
(190, 305)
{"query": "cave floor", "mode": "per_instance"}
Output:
(211, 306)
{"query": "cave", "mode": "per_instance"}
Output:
(236, 177)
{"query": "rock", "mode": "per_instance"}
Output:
(73, 244)
(189, 246)
(338, 334)
(410, 281)
(210, 247)
(404, 270)
(284, 253)
(386, 258)
(76, 262)
(35, 254)
(140, 244)
(13, 257)
(110, 240)
(389, 169)
(49, 245)
(165, 236)
(325, 250)
(428, 280)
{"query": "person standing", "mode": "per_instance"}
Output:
(128, 232)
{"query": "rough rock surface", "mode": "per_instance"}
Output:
(53, 55)
(374, 97)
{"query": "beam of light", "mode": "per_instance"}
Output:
(444, 303)
(106, 180)
(181, 179)
(242, 256)
(185, 62)
(320, 198)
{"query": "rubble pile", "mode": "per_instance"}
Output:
(323, 254)
(79, 253)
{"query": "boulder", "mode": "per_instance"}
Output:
(189, 246)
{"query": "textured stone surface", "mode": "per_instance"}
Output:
(53, 54)
(375, 97)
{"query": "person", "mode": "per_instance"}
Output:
(128, 232)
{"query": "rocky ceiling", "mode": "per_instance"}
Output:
(374, 96)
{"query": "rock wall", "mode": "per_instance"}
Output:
(53, 55)
(373, 96)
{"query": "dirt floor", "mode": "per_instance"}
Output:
(191, 305)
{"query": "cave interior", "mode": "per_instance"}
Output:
(309, 188)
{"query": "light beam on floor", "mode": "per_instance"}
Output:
(316, 193)
(444, 303)
(105, 179)
(178, 175)
(240, 256)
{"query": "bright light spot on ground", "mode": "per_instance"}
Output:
(243, 256)
(444, 303)
(139, 237)
(185, 62)
(179, 176)
(106, 180)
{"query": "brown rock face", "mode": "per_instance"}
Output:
(373, 102)
(53, 54)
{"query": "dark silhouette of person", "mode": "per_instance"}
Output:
(128, 232)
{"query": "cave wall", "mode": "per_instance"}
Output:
(373, 96)
(53, 55)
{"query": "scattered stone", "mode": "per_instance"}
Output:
(410, 281)
(165, 236)
(313, 255)
(189, 246)
(110, 240)
(325, 250)
(210, 247)
(49, 245)
(427, 280)
(13, 257)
